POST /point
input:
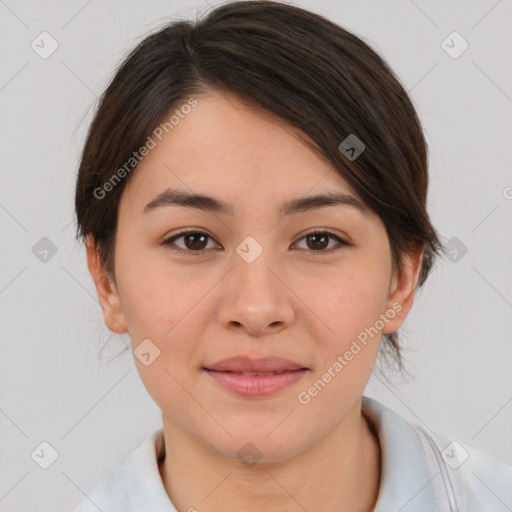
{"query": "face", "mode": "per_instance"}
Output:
(203, 285)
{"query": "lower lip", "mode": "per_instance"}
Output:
(256, 386)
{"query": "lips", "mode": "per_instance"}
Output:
(250, 377)
(253, 365)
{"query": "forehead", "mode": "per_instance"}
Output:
(231, 148)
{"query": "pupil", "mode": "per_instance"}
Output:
(194, 245)
(316, 237)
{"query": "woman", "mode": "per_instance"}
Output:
(252, 195)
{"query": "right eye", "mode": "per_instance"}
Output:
(191, 239)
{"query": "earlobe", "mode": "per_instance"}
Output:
(108, 296)
(402, 291)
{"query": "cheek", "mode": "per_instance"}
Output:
(350, 308)
(350, 301)
(160, 304)
(165, 303)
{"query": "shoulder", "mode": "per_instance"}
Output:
(133, 485)
(477, 481)
(427, 471)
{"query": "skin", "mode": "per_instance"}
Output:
(292, 301)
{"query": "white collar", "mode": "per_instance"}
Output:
(406, 482)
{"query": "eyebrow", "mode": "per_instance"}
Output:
(171, 197)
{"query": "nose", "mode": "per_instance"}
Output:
(255, 297)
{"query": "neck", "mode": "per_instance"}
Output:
(342, 472)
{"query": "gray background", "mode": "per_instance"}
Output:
(53, 385)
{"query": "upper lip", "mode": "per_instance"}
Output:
(255, 364)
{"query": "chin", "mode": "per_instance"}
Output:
(254, 446)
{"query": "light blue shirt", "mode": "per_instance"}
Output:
(420, 473)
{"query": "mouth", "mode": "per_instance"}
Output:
(250, 377)
(251, 373)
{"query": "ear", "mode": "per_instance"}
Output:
(108, 296)
(402, 291)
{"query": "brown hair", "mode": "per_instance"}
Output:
(297, 64)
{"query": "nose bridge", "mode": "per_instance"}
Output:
(256, 297)
(253, 261)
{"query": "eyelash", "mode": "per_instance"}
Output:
(169, 242)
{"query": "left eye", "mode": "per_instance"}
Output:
(319, 240)
(195, 241)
